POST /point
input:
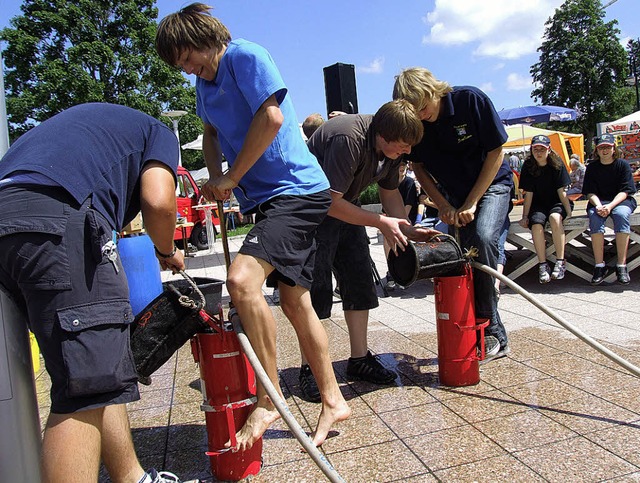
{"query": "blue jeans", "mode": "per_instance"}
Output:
(504, 231)
(620, 216)
(483, 233)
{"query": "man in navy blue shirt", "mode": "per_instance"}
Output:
(461, 150)
(66, 187)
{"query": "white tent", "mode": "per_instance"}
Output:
(195, 144)
(625, 124)
(199, 174)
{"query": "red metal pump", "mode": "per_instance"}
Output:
(457, 329)
(228, 387)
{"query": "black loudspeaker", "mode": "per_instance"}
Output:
(340, 88)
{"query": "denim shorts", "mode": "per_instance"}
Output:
(620, 216)
(285, 236)
(76, 302)
(343, 249)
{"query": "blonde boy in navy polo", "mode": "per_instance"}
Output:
(462, 151)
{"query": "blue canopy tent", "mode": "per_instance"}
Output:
(536, 114)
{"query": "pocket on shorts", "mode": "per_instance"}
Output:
(34, 246)
(95, 347)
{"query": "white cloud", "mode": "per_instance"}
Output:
(375, 67)
(517, 82)
(505, 29)
(487, 87)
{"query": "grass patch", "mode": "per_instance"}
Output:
(240, 230)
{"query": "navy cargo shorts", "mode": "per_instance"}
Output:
(77, 303)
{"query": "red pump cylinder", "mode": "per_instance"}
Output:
(228, 386)
(457, 329)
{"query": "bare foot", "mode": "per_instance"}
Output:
(257, 423)
(328, 417)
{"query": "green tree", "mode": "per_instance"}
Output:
(582, 65)
(60, 53)
(633, 49)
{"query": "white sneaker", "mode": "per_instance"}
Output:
(543, 273)
(559, 270)
(154, 476)
(491, 345)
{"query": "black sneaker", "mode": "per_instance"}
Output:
(390, 283)
(308, 386)
(598, 275)
(369, 369)
(622, 274)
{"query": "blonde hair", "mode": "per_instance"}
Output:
(398, 121)
(191, 28)
(418, 85)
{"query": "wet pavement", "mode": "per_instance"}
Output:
(554, 410)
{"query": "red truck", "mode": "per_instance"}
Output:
(188, 196)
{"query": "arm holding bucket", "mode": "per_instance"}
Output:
(350, 213)
(158, 204)
(393, 205)
(466, 213)
(446, 212)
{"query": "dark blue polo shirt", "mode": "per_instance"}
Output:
(95, 150)
(453, 148)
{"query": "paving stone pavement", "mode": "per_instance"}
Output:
(555, 410)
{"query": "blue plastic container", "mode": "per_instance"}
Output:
(142, 269)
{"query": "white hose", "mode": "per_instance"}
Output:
(322, 462)
(571, 328)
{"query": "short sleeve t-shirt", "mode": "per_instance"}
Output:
(345, 148)
(607, 180)
(455, 146)
(544, 186)
(247, 76)
(96, 150)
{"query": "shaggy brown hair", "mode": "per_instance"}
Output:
(191, 28)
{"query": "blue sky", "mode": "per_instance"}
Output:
(466, 42)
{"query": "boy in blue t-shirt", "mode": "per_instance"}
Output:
(249, 117)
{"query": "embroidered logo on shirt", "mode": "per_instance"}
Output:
(461, 131)
(253, 240)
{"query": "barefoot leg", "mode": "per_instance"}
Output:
(244, 282)
(296, 304)
(328, 417)
(257, 423)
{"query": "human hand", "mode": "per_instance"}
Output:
(421, 234)
(465, 214)
(175, 263)
(392, 229)
(524, 222)
(603, 210)
(448, 214)
(219, 188)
